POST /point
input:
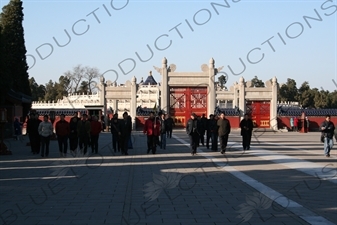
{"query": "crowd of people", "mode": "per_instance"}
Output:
(84, 132)
(78, 134)
(216, 129)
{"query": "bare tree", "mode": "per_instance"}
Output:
(75, 77)
(90, 75)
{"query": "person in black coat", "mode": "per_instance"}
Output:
(169, 126)
(327, 128)
(203, 129)
(116, 133)
(125, 129)
(193, 129)
(223, 132)
(73, 136)
(213, 128)
(246, 126)
(33, 132)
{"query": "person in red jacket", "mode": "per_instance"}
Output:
(152, 130)
(62, 129)
(96, 128)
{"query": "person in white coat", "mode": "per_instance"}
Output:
(45, 131)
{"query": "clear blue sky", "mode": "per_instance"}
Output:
(224, 33)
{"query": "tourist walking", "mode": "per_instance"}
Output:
(152, 130)
(169, 126)
(33, 132)
(96, 128)
(203, 128)
(73, 136)
(223, 132)
(116, 133)
(45, 131)
(246, 126)
(307, 123)
(327, 128)
(83, 131)
(214, 132)
(125, 129)
(163, 125)
(62, 129)
(192, 129)
(208, 131)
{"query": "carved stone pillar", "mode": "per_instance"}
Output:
(242, 100)
(102, 97)
(211, 87)
(133, 102)
(235, 96)
(273, 105)
(164, 87)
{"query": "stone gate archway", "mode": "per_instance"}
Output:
(183, 93)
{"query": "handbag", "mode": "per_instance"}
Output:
(322, 137)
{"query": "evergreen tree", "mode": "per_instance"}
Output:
(222, 81)
(6, 80)
(256, 82)
(14, 46)
(51, 91)
(38, 91)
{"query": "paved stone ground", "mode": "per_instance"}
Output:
(283, 179)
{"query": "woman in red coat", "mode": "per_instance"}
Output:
(96, 128)
(152, 130)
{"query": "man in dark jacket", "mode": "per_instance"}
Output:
(125, 129)
(203, 128)
(33, 132)
(246, 126)
(208, 131)
(83, 131)
(163, 125)
(213, 126)
(116, 133)
(62, 129)
(327, 128)
(169, 126)
(73, 136)
(193, 129)
(224, 131)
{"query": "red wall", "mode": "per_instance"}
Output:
(314, 121)
(234, 120)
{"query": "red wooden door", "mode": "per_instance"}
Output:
(187, 100)
(260, 113)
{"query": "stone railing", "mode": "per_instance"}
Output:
(73, 101)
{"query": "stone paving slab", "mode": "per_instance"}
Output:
(171, 187)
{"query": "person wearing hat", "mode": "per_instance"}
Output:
(223, 132)
(193, 130)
